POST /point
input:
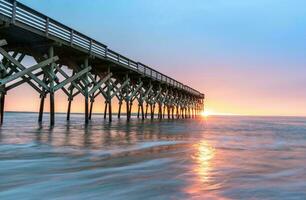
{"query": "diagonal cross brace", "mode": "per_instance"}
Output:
(72, 78)
(28, 70)
(164, 98)
(13, 67)
(73, 83)
(98, 84)
(136, 90)
(121, 87)
(140, 97)
(21, 67)
(26, 80)
(101, 89)
(157, 95)
(147, 93)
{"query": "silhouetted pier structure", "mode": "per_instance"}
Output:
(70, 61)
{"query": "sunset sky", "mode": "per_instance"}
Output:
(248, 57)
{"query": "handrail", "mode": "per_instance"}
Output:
(21, 13)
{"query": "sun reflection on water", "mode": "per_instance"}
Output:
(202, 181)
(203, 157)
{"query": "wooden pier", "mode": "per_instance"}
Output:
(70, 61)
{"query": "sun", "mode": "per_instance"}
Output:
(206, 113)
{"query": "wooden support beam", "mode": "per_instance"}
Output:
(105, 109)
(160, 110)
(146, 114)
(2, 100)
(70, 99)
(51, 87)
(86, 66)
(127, 100)
(110, 111)
(140, 103)
(152, 111)
(127, 110)
(119, 109)
(172, 112)
(92, 100)
(138, 111)
(42, 103)
(186, 112)
(142, 111)
(86, 111)
(109, 98)
(131, 106)
(168, 111)
(41, 107)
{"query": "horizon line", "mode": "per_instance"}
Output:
(210, 115)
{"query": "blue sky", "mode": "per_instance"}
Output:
(247, 56)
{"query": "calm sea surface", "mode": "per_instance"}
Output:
(213, 158)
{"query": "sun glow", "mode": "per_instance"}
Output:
(206, 113)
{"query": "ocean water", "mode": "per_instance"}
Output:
(207, 158)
